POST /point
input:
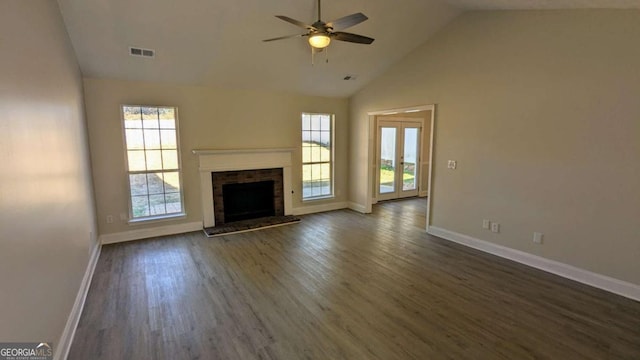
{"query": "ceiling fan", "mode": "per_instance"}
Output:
(320, 33)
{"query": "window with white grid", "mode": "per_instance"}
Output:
(153, 161)
(317, 156)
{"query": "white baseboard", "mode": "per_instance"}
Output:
(302, 210)
(357, 207)
(623, 288)
(150, 232)
(64, 344)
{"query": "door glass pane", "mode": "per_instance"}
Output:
(387, 159)
(410, 166)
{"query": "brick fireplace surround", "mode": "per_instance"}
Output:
(218, 179)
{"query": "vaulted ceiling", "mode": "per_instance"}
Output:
(219, 43)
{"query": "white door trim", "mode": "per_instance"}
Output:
(371, 173)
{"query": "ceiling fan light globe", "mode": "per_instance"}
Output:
(319, 41)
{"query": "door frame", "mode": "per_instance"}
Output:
(371, 173)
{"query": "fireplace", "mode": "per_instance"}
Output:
(248, 201)
(243, 166)
(247, 194)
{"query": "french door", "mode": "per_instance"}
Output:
(398, 159)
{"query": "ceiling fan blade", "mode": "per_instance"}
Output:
(284, 37)
(295, 22)
(354, 38)
(347, 21)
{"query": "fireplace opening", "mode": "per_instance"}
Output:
(250, 193)
(251, 200)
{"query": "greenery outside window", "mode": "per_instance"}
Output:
(153, 162)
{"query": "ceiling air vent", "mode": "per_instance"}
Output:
(148, 53)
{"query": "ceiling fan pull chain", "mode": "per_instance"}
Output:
(326, 55)
(312, 55)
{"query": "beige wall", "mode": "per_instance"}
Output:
(209, 118)
(540, 109)
(47, 225)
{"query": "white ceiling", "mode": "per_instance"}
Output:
(544, 4)
(219, 43)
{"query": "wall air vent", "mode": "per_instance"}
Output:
(148, 53)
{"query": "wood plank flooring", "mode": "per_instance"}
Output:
(341, 285)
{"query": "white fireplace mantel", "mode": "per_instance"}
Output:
(210, 160)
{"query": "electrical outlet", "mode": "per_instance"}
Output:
(109, 219)
(486, 224)
(537, 237)
(495, 227)
(124, 217)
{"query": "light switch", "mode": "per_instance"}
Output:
(537, 237)
(452, 164)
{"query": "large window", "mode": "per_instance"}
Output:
(317, 156)
(153, 161)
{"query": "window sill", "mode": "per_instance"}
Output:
(317, 198)
(159, 218)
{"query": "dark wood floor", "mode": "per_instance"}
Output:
(341, 285)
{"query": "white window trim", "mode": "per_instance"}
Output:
(152, 218)
(332, 161)
(157, 218)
